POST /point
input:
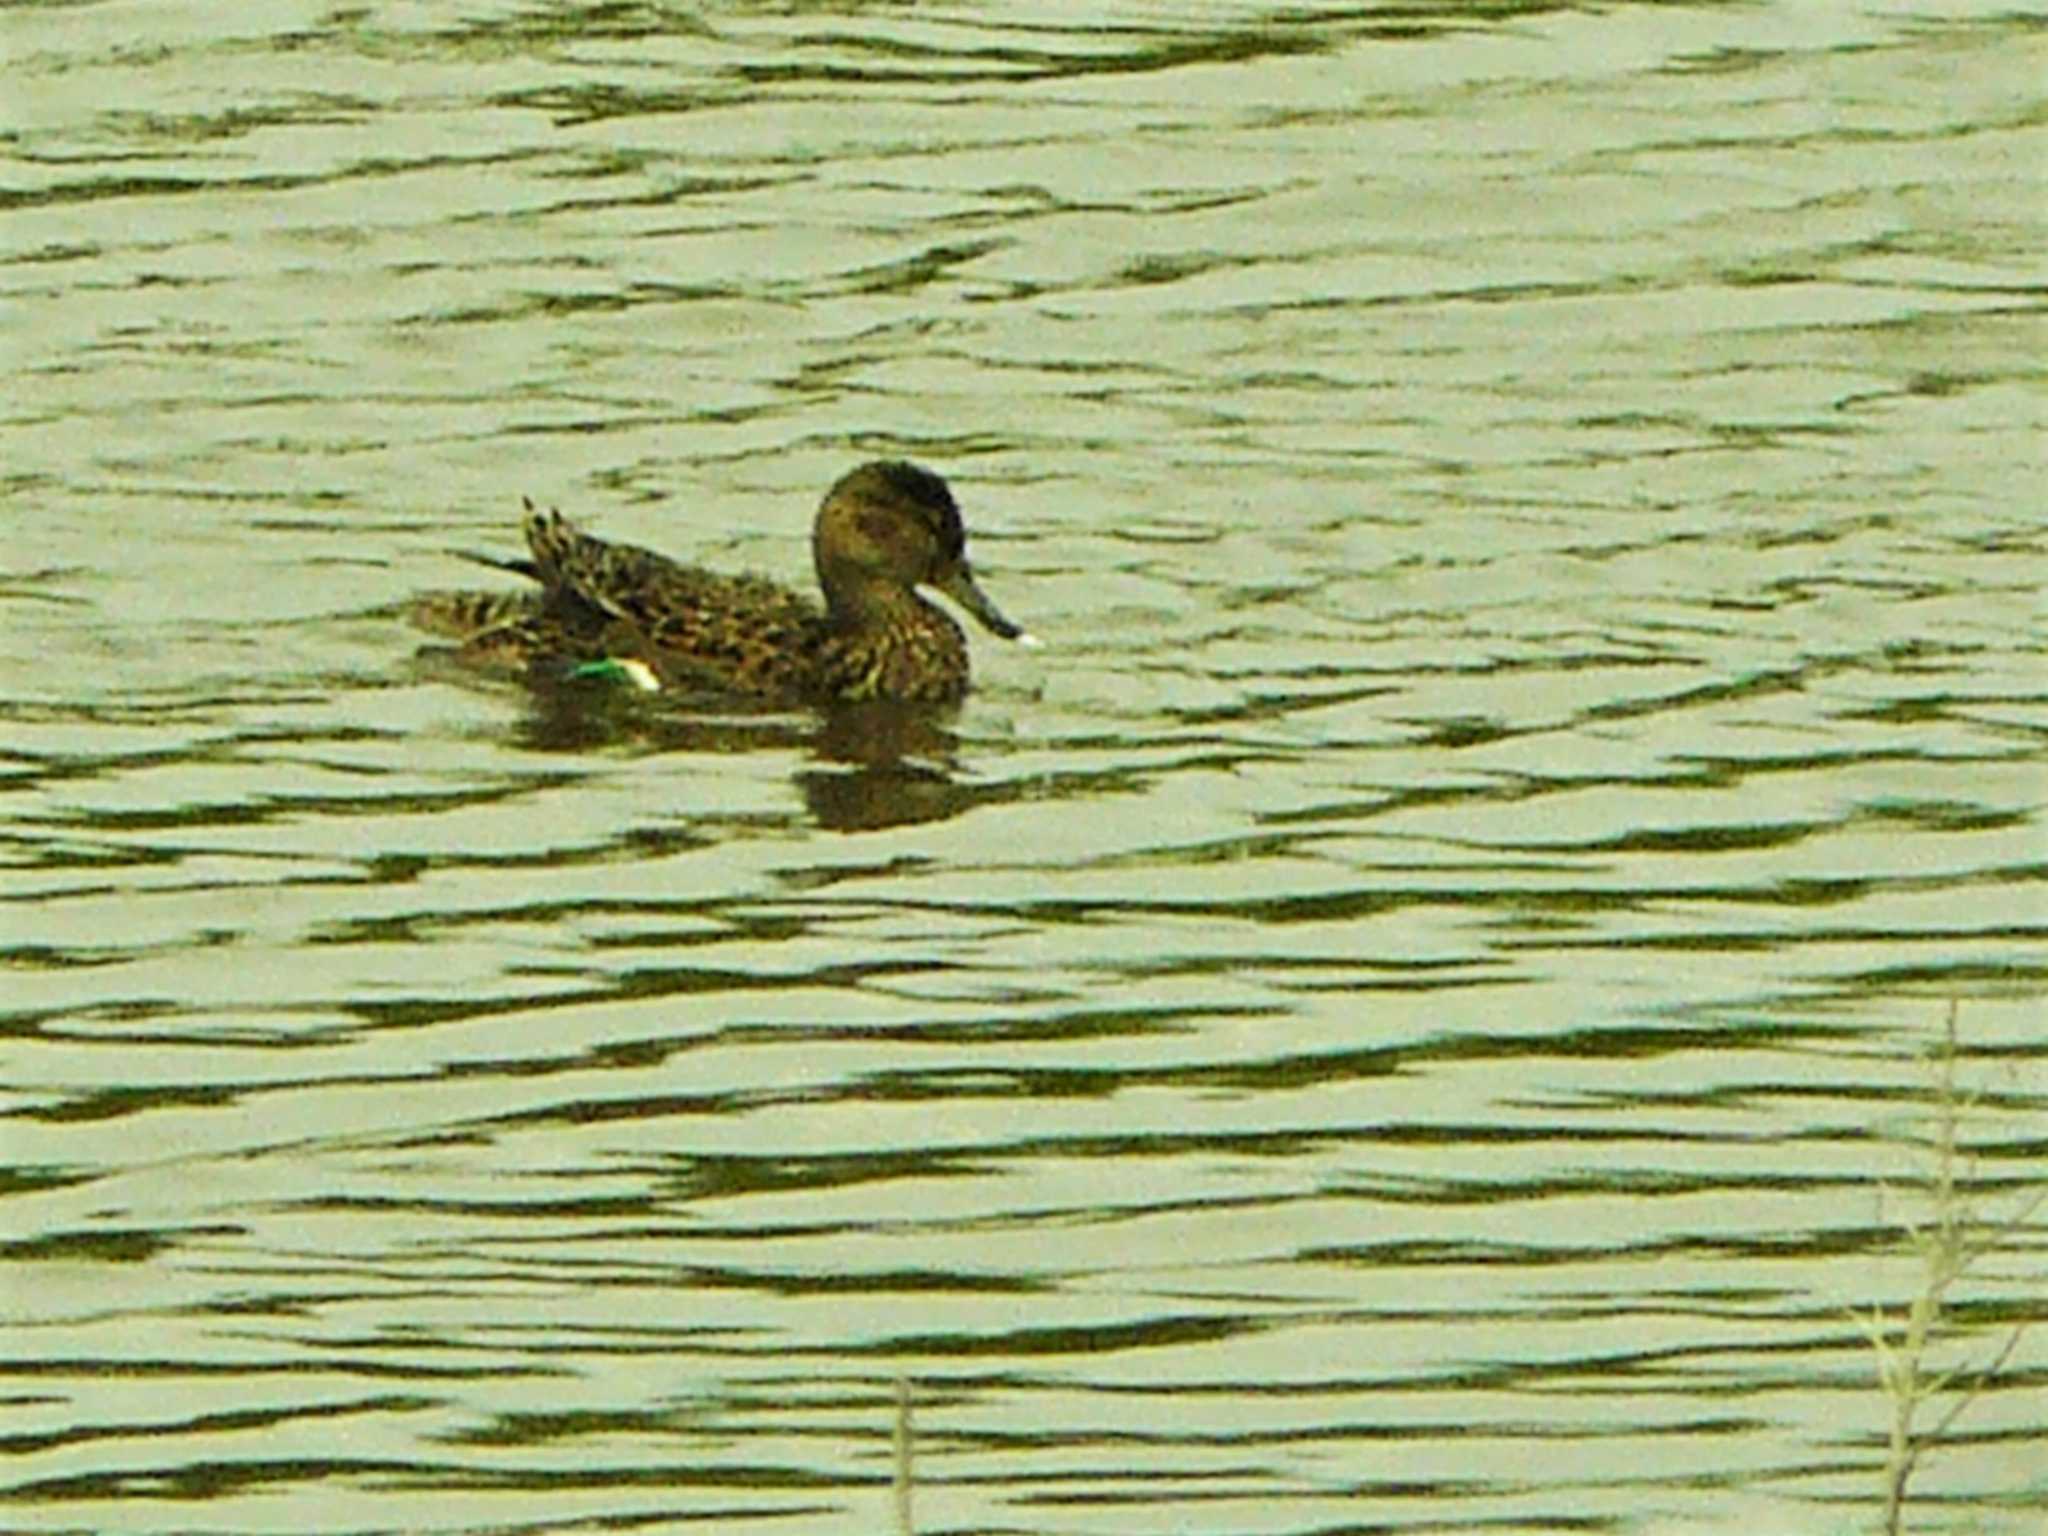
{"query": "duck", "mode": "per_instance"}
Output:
(605, 609)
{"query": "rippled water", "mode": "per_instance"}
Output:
(1406, 1016)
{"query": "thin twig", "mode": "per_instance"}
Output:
(904, 1523)
(1984, 1376)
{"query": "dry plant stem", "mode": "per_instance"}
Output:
(1955, 1240)
(903, 1483)
(1942, 1253)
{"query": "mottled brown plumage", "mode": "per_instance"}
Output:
(882, 531)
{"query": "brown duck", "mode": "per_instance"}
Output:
(882, 531)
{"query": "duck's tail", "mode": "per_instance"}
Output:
(517, 567)
(466, 616)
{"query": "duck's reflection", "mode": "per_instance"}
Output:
(878, 763)
(898, 768)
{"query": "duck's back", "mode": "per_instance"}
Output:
(697, 628)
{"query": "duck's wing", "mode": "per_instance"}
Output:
(695, 628)
(573, 567)
(567, 616)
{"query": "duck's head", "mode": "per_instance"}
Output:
(890, 526)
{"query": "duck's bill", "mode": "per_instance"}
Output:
(958, 584)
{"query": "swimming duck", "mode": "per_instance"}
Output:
(882, 531)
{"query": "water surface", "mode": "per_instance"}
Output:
(1406, 1016)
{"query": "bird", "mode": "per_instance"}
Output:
(608, 609)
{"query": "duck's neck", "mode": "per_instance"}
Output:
(891, 643)
(860, 607)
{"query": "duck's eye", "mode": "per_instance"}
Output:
(878, 526)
